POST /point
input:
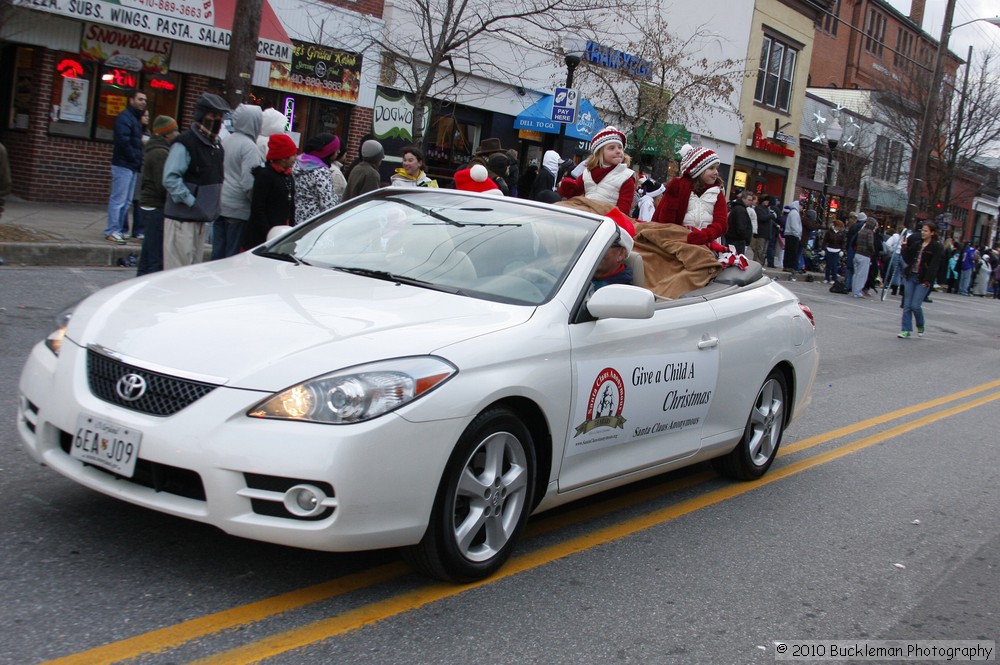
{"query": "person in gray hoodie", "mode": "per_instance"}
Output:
(242, 157)
(793, 237)
(545, 183)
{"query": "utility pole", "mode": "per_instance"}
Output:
(919, 171)
(243, 50)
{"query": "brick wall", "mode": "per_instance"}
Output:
(361, 125)
(370, 7)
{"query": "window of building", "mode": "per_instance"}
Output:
(887, 163)
(450, 142)
(904, 49)
(775, 74)
(828, 22)
(162, 95)
(875, 31)
(71, 109)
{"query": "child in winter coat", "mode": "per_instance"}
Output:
(651, 193)
(606, 177)
(695, 198)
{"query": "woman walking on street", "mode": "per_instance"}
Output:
(921, 255)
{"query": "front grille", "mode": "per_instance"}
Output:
(156, 476)
(164, 396)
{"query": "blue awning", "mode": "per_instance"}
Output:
(538, 118)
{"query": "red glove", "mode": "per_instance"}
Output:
(698, 237)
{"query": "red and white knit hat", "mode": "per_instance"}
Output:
(694, 161)
(604, 137)
(476, 179)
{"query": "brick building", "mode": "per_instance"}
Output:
(66, 70)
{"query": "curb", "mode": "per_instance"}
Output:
(65, 254)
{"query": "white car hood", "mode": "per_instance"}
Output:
(264, 324)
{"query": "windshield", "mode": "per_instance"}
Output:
(489, 248)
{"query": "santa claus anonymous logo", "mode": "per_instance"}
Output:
(607, 399)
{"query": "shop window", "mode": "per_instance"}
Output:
(450, 142)
(73, 89)
(162, 94)
(330, 118)
(23, 87)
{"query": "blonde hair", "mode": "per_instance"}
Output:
(594, 160)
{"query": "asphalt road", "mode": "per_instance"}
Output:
(878, 521)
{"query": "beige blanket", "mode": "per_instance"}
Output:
(672, 266)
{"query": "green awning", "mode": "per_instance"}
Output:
(663, 141)
(884, 197)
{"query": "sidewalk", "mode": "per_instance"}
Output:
(55, 234)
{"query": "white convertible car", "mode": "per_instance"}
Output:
(417, 369)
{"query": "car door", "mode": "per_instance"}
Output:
(641, 390)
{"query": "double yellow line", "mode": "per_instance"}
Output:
(172, 637)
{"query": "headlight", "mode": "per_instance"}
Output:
(359, 393)
(55, 339)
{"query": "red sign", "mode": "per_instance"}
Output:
(758, 142)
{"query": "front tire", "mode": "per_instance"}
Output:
(482, 503)
(755, 452)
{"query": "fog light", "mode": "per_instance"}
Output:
(304, 500)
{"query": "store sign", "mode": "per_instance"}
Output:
(615, 59)
(393, 116)
(320, 72)
(758, 142)
(110, 45)
(192, 21)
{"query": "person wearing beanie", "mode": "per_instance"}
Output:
(605, 177)
(612, 268)
(313, 185)
(364, 176)
(153, 195)
(476, 178)
(272, 122)
(411, 174)
(651, 193)
(694, 198)
(273, 200)
(193, 176)
(241, 158)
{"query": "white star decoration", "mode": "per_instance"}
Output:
(819, 118)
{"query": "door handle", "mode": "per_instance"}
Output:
(708, 343)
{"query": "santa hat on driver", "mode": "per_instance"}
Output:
(476, 179)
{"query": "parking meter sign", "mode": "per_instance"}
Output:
(564, 103)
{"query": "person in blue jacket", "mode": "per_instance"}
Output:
(126, 161)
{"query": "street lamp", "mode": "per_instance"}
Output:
(573, 49)
(834, 132)
(927, 123)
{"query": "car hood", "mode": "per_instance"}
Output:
(264, 324)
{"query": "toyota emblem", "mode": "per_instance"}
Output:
(131, 387)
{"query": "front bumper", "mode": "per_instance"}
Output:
(211, 463)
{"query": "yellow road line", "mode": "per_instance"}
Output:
(374, 612)
(172, 637)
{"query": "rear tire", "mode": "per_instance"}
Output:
(482, 503)
(755, 452)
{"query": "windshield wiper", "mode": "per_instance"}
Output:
(383, 275)
(282, 256)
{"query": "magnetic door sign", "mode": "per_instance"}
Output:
(644, 397)
(320, 72)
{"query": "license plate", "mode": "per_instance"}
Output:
(106, 444)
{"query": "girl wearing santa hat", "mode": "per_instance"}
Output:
(694, 198)
(606, 177)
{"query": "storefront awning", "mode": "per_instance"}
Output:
(203, 22)
(883, 197)
(538, 117)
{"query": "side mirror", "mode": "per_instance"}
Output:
(621, 301)
(276, 231)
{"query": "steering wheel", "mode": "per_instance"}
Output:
(538, 277)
